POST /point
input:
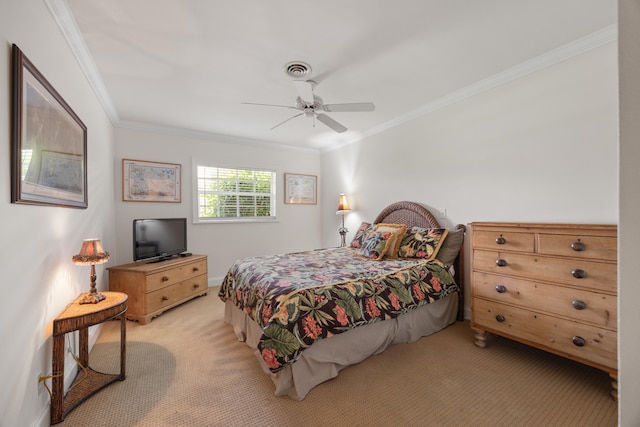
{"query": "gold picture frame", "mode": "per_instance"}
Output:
(300, 189)
(144, 181)
(48, 142)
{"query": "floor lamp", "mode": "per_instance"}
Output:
(343, 208)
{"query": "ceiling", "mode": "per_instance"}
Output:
(190, 64)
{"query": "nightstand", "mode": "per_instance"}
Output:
(78, 317)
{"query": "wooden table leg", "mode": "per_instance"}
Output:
(57, 380)
(123, 346)
(83, 347)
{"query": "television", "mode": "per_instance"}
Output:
(159, 239)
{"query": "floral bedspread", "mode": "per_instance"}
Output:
(298, 298)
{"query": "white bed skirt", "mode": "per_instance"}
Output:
(327, 357)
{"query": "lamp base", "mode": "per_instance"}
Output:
(343, 236)
(92, 298)
(343, 232)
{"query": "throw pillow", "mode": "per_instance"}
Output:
(397, 231)
(422, 242)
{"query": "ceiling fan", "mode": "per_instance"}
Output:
(311, 105)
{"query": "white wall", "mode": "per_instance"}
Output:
(552, 134)
(541, 148)
(37, 242)
(629, 233)
(297, 228)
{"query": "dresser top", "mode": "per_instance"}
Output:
(149, 266)
(610, 229)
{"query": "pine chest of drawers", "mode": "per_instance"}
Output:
(551, 286)
(154, 288)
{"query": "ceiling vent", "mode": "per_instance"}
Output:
(297, 69)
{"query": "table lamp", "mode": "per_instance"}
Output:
(91, 254)
(343, 208)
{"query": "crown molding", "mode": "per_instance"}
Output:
(60, 11)
(210, 136)
(594, 40)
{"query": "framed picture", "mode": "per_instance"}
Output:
(48, 142)
(300, 189)
(150, 181)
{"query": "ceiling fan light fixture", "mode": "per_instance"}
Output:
(297, 69)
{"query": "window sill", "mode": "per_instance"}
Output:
(234, 220)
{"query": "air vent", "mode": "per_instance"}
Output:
(297, 69)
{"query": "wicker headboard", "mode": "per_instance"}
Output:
(414, 215)
(408, 213)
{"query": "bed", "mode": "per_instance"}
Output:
(308, 315)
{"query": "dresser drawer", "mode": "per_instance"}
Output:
(597, 276)
(579, 246)
(578, 304)
(498, 240)
(171, 276)
(175, 293)
(548, 332)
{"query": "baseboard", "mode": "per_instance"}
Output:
(215, 281)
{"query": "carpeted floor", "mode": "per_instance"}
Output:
(186, 368)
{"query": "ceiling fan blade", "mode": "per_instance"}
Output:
(270, 105)
(305, 90)
(281, 123)
(356, 106)
(331, 123)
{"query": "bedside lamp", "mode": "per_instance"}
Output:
(343, 208)
(91, 254)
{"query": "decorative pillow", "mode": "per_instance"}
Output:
(397, 231)
(374, 246)
(451, 247)
(361, 234)
(422, 242)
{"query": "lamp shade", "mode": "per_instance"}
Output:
(91, 253)
(343, 205)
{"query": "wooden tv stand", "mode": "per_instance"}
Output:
(156, 287)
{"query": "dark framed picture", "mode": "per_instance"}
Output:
(48, 142)
(300, 189)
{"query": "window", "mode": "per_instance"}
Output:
(226, 194)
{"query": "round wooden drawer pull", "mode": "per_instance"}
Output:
(196, 269)
(578, 273)
(578, 246)
(579, 341)
(196, 286)
(500, 318)
(165, 298)
(165, 278)
(501, 262)
(578, 304)
(501, 240)
(501, 289)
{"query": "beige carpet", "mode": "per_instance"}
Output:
(186, 368)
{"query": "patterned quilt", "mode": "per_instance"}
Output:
(298, 298)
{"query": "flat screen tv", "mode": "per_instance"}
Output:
(159, 239)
